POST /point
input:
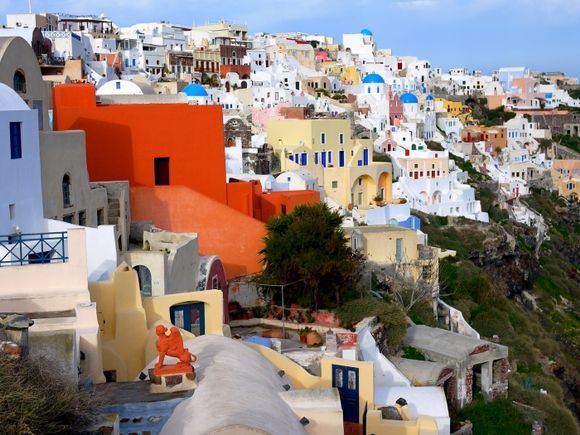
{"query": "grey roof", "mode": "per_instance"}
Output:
(446, 344)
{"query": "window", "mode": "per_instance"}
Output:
(341, 138)
(19, 82)
(15, 140)
(398, 249)
(12, 211)
(69, 218)
(66, 191)
(366, 157)
(161, 168)
(322, 138)
(329, 157)
(304, 159)
(316, 158)
(341, 158)
(118, 85)
(335, 184)
(83, 218)
(100, 216)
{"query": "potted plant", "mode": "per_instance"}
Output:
(313, 338)
(303, 333)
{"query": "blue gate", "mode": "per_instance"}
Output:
(189, 316)
(346, 380)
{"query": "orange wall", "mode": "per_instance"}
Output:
(124, 139)
(223, 231)
(272, 202)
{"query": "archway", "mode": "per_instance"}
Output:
(145, 282)
(384, 186)
(363, 191)
(19, 81)
(66, 191)
(424, 197)
(437, 197)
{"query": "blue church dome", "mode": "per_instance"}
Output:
(409, 98)
(373, 78)
(366, 32)
(194, 90)
(429, 97)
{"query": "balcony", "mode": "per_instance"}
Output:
(33, 248)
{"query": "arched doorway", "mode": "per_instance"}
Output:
(144, 276)
(384, 186)
(437, 197)
(363, 191)
(424, 197)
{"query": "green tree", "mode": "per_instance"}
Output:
(309, 245)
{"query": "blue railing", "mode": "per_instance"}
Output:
(33, 248)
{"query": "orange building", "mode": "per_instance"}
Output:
(146, 144)
(173, 156)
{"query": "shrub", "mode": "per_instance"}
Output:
(34, 399)
(410, 352)
(422, 314)
(390, 314)
(496, 417)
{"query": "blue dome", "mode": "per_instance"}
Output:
(194, 90)
(429, 97)
(408, 98)
(366, 32)
(373, 78)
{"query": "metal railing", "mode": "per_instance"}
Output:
(33, 248)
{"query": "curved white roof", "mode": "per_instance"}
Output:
(125, 87)
(237, 387)
(10, 100)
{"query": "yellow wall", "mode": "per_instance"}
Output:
(366, 380)
(299, 377)
(122, 322)
(157, 308)
(422, 426)
(126, 322)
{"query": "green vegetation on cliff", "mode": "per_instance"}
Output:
(529, 303)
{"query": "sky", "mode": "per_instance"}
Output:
(543, 35)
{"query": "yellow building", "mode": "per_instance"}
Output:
(348, 74)
(395, 246)
(344, 166)
(566, 178)
(455, 109)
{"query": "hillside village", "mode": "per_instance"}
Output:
(348, 239)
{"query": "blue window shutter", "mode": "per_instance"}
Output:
(323, 155)
(329, 156)
(341, 158)
(316, 158)
(360, 163)
(303, 159)
(15, 141)
(365, 157)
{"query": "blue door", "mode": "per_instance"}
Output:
(190, 317)
(346, 380)
(341, 158)
(365, 157)
(323, 156)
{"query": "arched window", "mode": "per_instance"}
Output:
(66, 191)
(144, 276)
(19, 81)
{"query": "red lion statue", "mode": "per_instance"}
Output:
(170, 343)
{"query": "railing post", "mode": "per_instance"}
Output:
(20, 247)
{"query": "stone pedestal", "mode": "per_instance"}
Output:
(170, 379)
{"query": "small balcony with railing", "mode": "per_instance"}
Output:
(34, 248)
